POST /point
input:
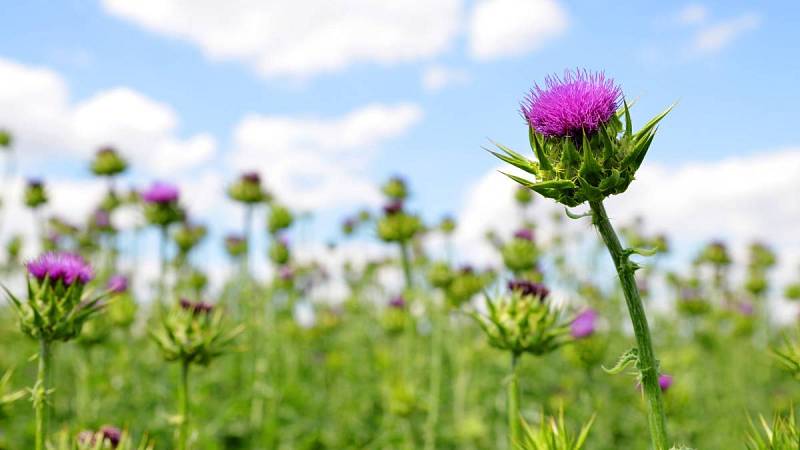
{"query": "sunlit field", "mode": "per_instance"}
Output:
(291, 284)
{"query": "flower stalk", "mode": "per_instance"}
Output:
(183, 406)
(648, 366)
(514, 418)
(40, 393)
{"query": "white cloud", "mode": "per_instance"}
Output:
(717, 36)
(304, 37)
(35, 106)
(692, 14)
(739, 199)
(437, 77)
(500, 28)
(316, 162)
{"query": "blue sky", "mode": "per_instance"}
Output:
(731, 65)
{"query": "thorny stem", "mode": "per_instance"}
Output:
(436, 378)
(514, 428)
(647, 360)
(40, 393)
(162, 275)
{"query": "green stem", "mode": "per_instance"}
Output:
(183, 407)
(405, 258)
(435, 380)
(162, 275)
(40, 393)
(514, 425)
(647, 360)
(248, 225)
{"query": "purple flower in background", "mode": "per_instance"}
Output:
(584, 324)
(746, 308)
(102, 219)
(161, 193)
(118, 284)
(196, 307)
(525, 288)
(397, 302)
(393, 207)
(524, 233)
(67, 267)
(285, 273)
(111, 434)
(665, 381)
(35, 183)
(579, 101)
(251, 177)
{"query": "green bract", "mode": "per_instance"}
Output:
(574, 170)
(194, 337)
(398, 227)
(519, 255)
(107, 162)
(523, 324)
(248, 192)
(552, 434)
(279, 218)
(163, 214)
(54, 311)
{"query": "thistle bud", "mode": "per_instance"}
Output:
(395, 188)
(279, 219)
(247, 189)
(523, 196)
(440, 275)
(584, 324)
(6, 140)
(466, 284)
(161, 204)
(35, 193)
(520, 253)
(188, 236)
(56, 309)
(397, 225)
(235, 245)
(583, 150)
(523, 323)
(108, 163)
(279, 251)
(194, 332)
(447, 225)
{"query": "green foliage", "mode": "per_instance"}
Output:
(783, 434)
(553, 434)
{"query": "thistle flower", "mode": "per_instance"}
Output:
(6, 140)
(107, 162)
(665, 382)
(393, 207)
(68, 268)
(397, 302)
(584, 324)
(529, 288)
(35, 193)
(583, 151)
(198, 307)
(188, 236)
(279, 219)
(235, 245)
(396, 188)
(118, 284)
(579, 102)
(161, 193)
(526, 234)
(279, 252)
(520, 254)
(397, 225)
(247, 189)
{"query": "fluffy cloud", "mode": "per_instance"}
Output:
(305, 37)
(738, 198)
(320, 162)
(719, 35)
(35, 106)
(501, 28)
(692, 14)
(438, 77)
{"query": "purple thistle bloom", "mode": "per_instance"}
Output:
(524, 233)
(584, 324)
(251, 177)
(198, 307)
(526, 288)
(35, 183)
(397, 302)
(161, 193)
(118, 284)
(746, 308)
(285, 273)
(67, 267)
(665, 381)
(580, 101)
(393, 207)
(111, 434)
(102, 219)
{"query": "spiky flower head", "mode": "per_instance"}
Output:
(579, 102)
(529, 288)
(397, 225)
(194, 332)
(107, 162)
(247, 189)
(583, 150)
(396, 188)
(161, 204)
(522, 323)
(188, 236)
(161, 193)
(35, 193)
(55, 267)
(520, 253)
(466, 283)
(55, 308)
(235, 245)
(279, 218)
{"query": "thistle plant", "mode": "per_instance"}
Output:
(783, 434)
(106, 438)
(586, 150)
(161, 209)
(108, 163)
(520, 322)
(56, 310)
(192, 333)
(553, 434)
(398, 226)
